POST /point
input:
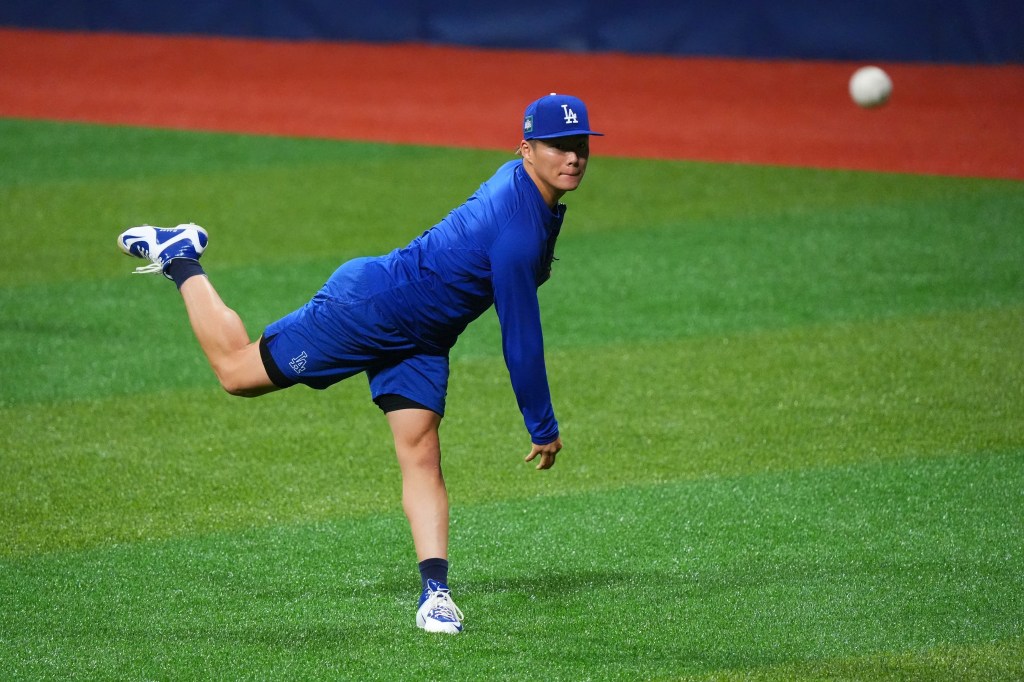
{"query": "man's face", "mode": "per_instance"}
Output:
(557, 165)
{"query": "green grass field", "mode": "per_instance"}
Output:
(792, 402)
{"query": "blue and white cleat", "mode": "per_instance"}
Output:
(437, 611)
(161, 245)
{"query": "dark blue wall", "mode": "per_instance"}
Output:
(962, 31)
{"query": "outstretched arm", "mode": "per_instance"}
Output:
(514, 265)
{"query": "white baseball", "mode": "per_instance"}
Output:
(870, 87)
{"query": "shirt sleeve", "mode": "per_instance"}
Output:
(515, 265)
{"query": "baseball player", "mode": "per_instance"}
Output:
(396, 317)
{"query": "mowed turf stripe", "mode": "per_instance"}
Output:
(98, 338)
(162, 463)
(897, 565)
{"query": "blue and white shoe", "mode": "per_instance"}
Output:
(437, 611)
(161, 245)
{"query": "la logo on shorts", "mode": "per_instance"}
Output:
(298, 363)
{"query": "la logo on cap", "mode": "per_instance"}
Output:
(570, 115)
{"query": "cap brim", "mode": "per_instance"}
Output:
(569, 133)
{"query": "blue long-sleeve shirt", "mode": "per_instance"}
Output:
(496, 248)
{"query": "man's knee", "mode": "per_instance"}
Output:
(244, 375)
(242, 391)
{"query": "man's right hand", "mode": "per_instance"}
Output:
(547, 453)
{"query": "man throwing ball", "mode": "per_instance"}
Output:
(396, 317)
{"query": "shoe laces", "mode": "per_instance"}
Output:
(149, 269)
(442, 607)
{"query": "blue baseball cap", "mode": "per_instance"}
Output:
(556, 116)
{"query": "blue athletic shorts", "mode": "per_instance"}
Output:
(341, 333)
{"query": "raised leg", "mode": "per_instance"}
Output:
(221, 334)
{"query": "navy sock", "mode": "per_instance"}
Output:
(180, 269)
(434, 569)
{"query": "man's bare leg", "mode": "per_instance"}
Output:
(221, 334)
(175, 252)
(424, 496)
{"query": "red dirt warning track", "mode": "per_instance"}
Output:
(954, 120)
